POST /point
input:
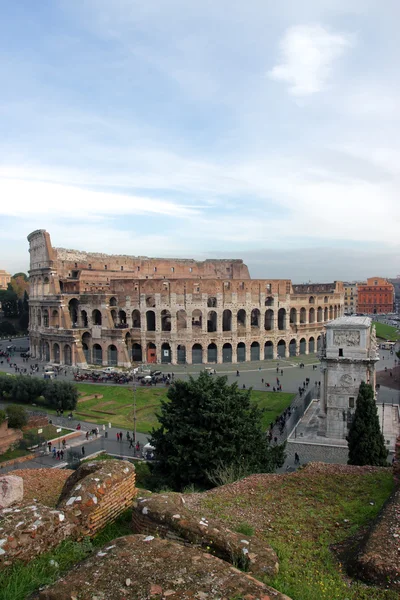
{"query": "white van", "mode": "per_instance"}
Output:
(49, 375)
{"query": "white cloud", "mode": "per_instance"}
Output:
(308, 53)
(40, 197)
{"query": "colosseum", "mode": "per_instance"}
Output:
(99, 309)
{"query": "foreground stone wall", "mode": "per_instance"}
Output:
(378, 561)
(96, 494)
(166, 515)
(147, 567)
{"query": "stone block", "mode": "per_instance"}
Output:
(11, 490)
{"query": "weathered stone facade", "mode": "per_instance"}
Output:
(348, 357)
(118, 310)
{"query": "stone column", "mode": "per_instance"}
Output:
(234, 351)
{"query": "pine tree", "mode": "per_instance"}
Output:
(206, 423)
(365, 440)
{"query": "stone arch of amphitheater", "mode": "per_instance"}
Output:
(121, 310)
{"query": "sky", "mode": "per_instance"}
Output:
(262, 130)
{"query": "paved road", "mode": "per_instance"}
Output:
(251, 373)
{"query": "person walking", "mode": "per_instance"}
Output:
(296, 459)
(83, 450)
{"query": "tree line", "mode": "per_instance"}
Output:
(15, 305)
(61, 395)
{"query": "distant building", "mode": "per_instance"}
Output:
(376, 296)
(348, 357)
(5, 279)
(396, 285)
(350, 297)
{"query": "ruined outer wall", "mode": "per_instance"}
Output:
(80, 316)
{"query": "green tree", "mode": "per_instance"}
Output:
(17, 417)
(3, 416)
(61, 394)
(365, 440)
(9, 302)
(206, 424)
(7, 328)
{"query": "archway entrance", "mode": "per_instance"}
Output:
(292, 348)
(227, 353)
(241, 352)
(97, 354)
(136, 352)
(212, 353)
(268, 351)
(112, 356)
(303, 346)
(281, 349)
(151, 353)
(197, 354)
(166, 356)
(181, 354)
(255, 351)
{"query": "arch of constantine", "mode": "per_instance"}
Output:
(90, 308)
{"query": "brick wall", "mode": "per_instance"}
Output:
(96, 494)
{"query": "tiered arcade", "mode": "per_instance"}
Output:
(118, 310)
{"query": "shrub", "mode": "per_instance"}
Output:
(17, 417)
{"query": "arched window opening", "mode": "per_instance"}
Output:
(269, 320)
(96, 317)
(84, 318)
(269, 301)
(282, 319)
(212, 321)
(197, 319)
(136, 319)
(181, 322)
(212, 302)
(241, 319)
(255, 318)
(150, 320)
(311, 316)
(165, 321)
(227, 320)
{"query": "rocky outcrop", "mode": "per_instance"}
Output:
(166, 515)
(145, 567)
(26, 531)
(11, 490)
(96, 494)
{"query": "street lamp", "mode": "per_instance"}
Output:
(134, 413)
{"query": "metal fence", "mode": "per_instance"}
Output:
(297, 409)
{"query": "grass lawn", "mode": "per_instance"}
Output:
(116, 405)
(300, 516)
(11, 454)
(49, 432)
(386, 332)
